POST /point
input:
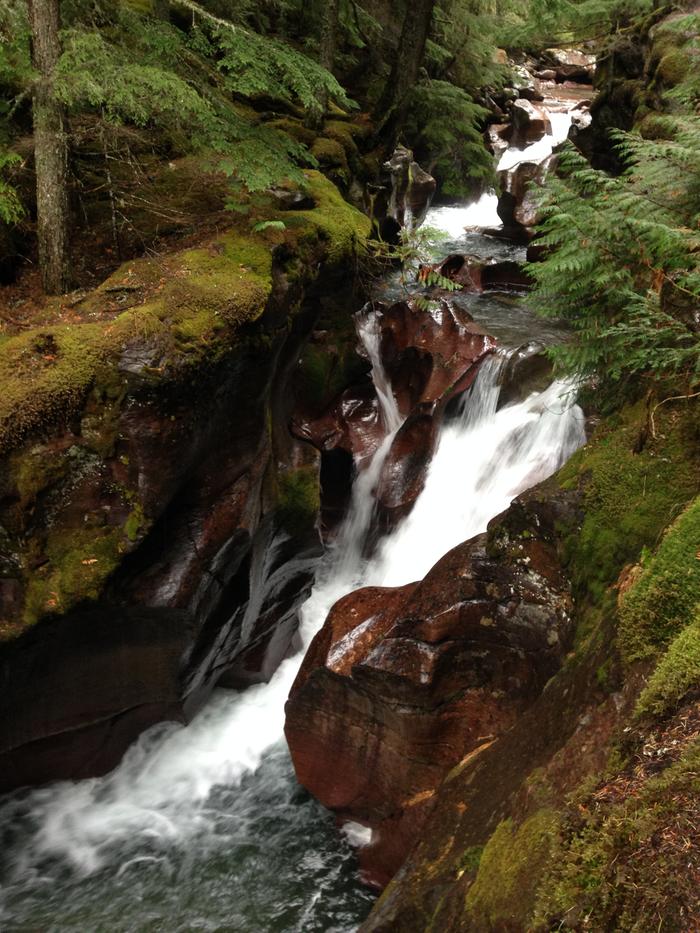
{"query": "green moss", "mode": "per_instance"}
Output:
(503, 893)
(677, 674)
(135, 523)
(343, 228)
(295, 129)
(78, 563)
(323, 372)
(346, 134)
(34, 471)
(656, 126)
(299, 500)
(329, 152)
(663, 600)
(196, 298)
(673, 68)
(623, 864)
(470, 860)
(629, 498)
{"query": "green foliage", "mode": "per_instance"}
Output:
(623, 260)
(413, 252)
(665, 598)
(256, 66)
(542, 23)
(96, 74)
(445, 123)
(11, 209)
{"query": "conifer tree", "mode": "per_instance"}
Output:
(50, 148)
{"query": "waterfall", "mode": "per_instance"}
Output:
(454, 219)
(560, 123)
(483, 460)
(203, 809)
(369, 332)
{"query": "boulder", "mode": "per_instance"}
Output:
(412, 189)
(570, 65)
(517, 203)
(528, 370)
(478, 275)
(530, 123)
(402, 685)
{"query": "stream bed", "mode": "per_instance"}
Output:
(204, 827)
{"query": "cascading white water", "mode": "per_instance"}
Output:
(560, 122)
(123, 843)
(483, 460)
(159, 791)
(455, 219)
(369, 332)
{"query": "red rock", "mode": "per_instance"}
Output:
(401, 685)
(530, 123)
(429, 356)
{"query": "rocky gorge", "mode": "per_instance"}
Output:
(262, 494)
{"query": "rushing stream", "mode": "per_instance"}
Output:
(204, 827)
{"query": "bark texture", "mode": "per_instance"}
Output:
(50, 149)
(392, 106)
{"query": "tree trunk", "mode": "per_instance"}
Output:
(391, 108)
(329, 30)
(327, 44)
(50, 150)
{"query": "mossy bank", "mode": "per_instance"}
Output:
(145, 447)
(581, 817)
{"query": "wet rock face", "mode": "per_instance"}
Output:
(570, 65)
(78, 688)
(429, 355)
(401, 685)
(517, 206)
(529, 369)
(216, 548)
(479, 275)
(530, 123)
(412, 189)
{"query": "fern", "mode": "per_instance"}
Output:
(445, 124)
(623, 263)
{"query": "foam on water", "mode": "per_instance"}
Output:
(537, 152)
(454, 220)
(176, 787)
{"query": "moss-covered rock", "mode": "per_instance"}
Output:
(629, 497)
(628, 859)
(193, 305)
(676, 675)
(72, 382)
(299, 500)
(503, 893)
(673, 68)
(664, 597)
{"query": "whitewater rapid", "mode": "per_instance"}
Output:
(205, 788)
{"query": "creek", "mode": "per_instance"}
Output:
(204, 827)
